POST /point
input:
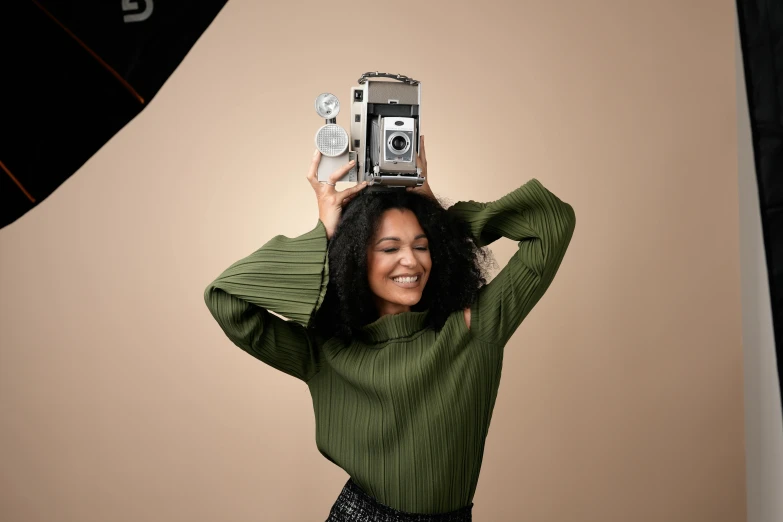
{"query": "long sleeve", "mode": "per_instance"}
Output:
(543, 225)
(287, 276)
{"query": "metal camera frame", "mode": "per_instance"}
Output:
(378, 98)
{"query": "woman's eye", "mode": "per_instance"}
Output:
(390, 250)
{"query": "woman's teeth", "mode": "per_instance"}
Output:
(406, 279)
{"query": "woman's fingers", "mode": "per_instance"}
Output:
(353, 190)
(421, 160)
(348, 194)
(325, 188)
(312, 174)
(422, 157)
(335, 176)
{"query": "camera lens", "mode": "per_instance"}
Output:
(398, 143)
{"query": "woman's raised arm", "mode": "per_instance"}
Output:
(543, 225)
(288, 276)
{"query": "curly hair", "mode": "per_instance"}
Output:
(457, 274)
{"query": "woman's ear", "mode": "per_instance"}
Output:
(466, 313)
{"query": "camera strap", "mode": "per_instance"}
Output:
(400, 77)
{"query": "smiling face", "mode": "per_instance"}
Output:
(398, 262)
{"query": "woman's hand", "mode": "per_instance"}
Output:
(330, 202)
(421, 161)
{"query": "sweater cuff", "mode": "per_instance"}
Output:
(288, 276)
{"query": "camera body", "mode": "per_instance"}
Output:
(384, 138)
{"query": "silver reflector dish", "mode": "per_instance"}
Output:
(331, 140)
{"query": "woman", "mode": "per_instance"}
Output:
(395, 333)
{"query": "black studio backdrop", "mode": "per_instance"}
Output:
(73, 73)
(761, 35)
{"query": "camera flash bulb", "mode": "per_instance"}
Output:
(327, 105)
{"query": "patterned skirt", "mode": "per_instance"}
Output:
(354, 505)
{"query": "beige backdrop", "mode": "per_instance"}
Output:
(621, 398)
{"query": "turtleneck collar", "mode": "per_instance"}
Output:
(394, 326)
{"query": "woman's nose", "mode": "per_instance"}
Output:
(407, 258)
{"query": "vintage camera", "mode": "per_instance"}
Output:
(384, 137)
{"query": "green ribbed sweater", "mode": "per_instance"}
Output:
(403, 410)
